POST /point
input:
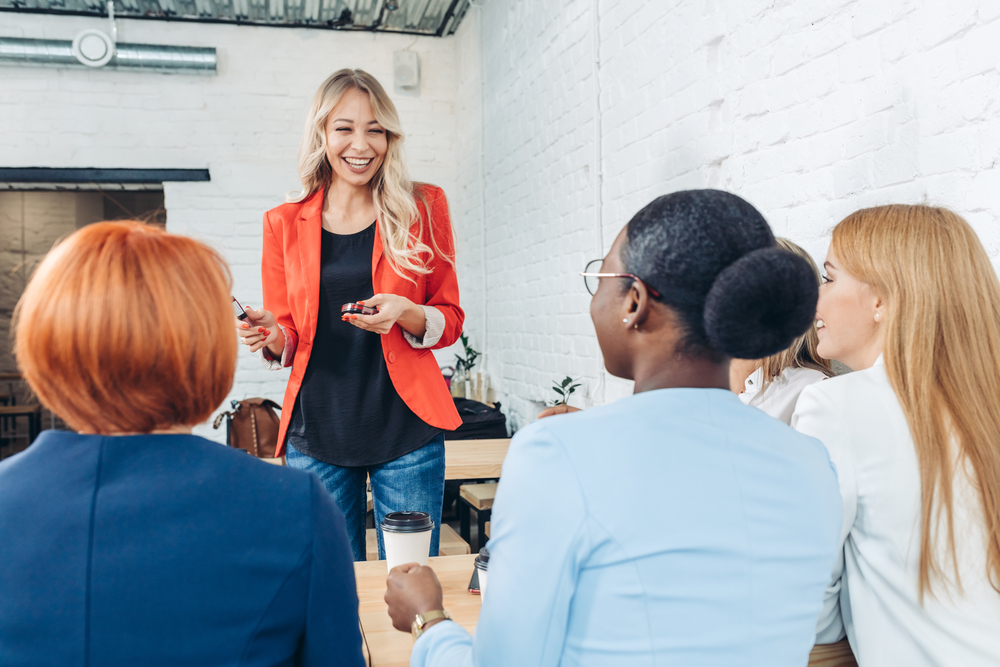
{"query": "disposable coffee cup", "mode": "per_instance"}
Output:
(482, 565)
(407, 537)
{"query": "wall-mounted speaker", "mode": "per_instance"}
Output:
(406, 69)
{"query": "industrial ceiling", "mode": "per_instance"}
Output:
(418, 17)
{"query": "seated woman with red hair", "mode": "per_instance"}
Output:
(132, 542)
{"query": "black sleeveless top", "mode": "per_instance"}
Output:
(347, 412)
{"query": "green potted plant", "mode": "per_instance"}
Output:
(564, 390)
(460, 383)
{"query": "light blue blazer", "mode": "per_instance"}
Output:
(673, 527)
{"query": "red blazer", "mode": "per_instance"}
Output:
(290, 271)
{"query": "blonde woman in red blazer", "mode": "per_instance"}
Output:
(365, 397)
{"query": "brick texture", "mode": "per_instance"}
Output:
(244, 125)
(808, 110)
(549, 125)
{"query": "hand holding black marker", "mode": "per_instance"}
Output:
(257, 328)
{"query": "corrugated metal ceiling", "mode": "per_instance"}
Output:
(422, 17)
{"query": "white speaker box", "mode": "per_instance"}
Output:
(406, 69)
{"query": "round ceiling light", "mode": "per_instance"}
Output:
(93, 48)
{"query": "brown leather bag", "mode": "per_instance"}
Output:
(252, 425)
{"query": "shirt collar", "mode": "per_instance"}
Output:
(754, 381)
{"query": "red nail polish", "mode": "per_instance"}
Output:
(246, 326)
(267, 333)
(354, 317)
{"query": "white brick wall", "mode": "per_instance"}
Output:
(243, 124)
(809, 110)
(549, 126)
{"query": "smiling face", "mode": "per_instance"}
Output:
(356, 143)
(848, 317)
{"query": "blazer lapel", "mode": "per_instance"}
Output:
(310, 256)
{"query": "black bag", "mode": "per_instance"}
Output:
(479, 421)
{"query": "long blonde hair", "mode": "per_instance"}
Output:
(802, 352)
(394, 194)
(941, 344)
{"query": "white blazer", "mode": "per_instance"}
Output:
(873, 594)
(779, 397)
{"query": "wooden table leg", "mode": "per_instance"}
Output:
(464, 529)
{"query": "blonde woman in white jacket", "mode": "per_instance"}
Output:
(912, 304)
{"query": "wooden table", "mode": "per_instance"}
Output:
(390, 647)
(474, 459)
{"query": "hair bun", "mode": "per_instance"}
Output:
(761, 303)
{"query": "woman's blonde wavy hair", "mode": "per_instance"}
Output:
(941, 344)
(802, 352)
(395, 195)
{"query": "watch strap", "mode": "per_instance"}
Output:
(421, 620)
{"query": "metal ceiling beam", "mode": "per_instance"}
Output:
(71, 175)
(411, 17)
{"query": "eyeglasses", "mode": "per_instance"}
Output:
(591, 277)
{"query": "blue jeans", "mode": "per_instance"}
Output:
(412, 483)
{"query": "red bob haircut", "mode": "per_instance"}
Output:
(125, 328)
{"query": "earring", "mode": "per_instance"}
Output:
(625, 320)
(876, 317)
(635, 326)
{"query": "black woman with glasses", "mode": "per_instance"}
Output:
(675, 526)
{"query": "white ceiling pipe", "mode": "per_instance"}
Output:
(147, 57)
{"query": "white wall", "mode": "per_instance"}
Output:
(807, 109)
(549, 128)
(244, 125)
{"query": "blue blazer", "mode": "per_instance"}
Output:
(169, 550)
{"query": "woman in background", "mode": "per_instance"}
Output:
(911, 303)
(133, 542)
(773, 384)
(366, 398)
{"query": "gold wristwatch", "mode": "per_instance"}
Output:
(423, 619)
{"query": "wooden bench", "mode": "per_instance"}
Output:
(449, 544)
(480, 498)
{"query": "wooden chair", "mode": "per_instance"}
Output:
(480, 498)
(832, 655)
(32, 411)
(449, 544)
(371, 545)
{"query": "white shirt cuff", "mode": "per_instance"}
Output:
(272, 364)
(433, 332)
